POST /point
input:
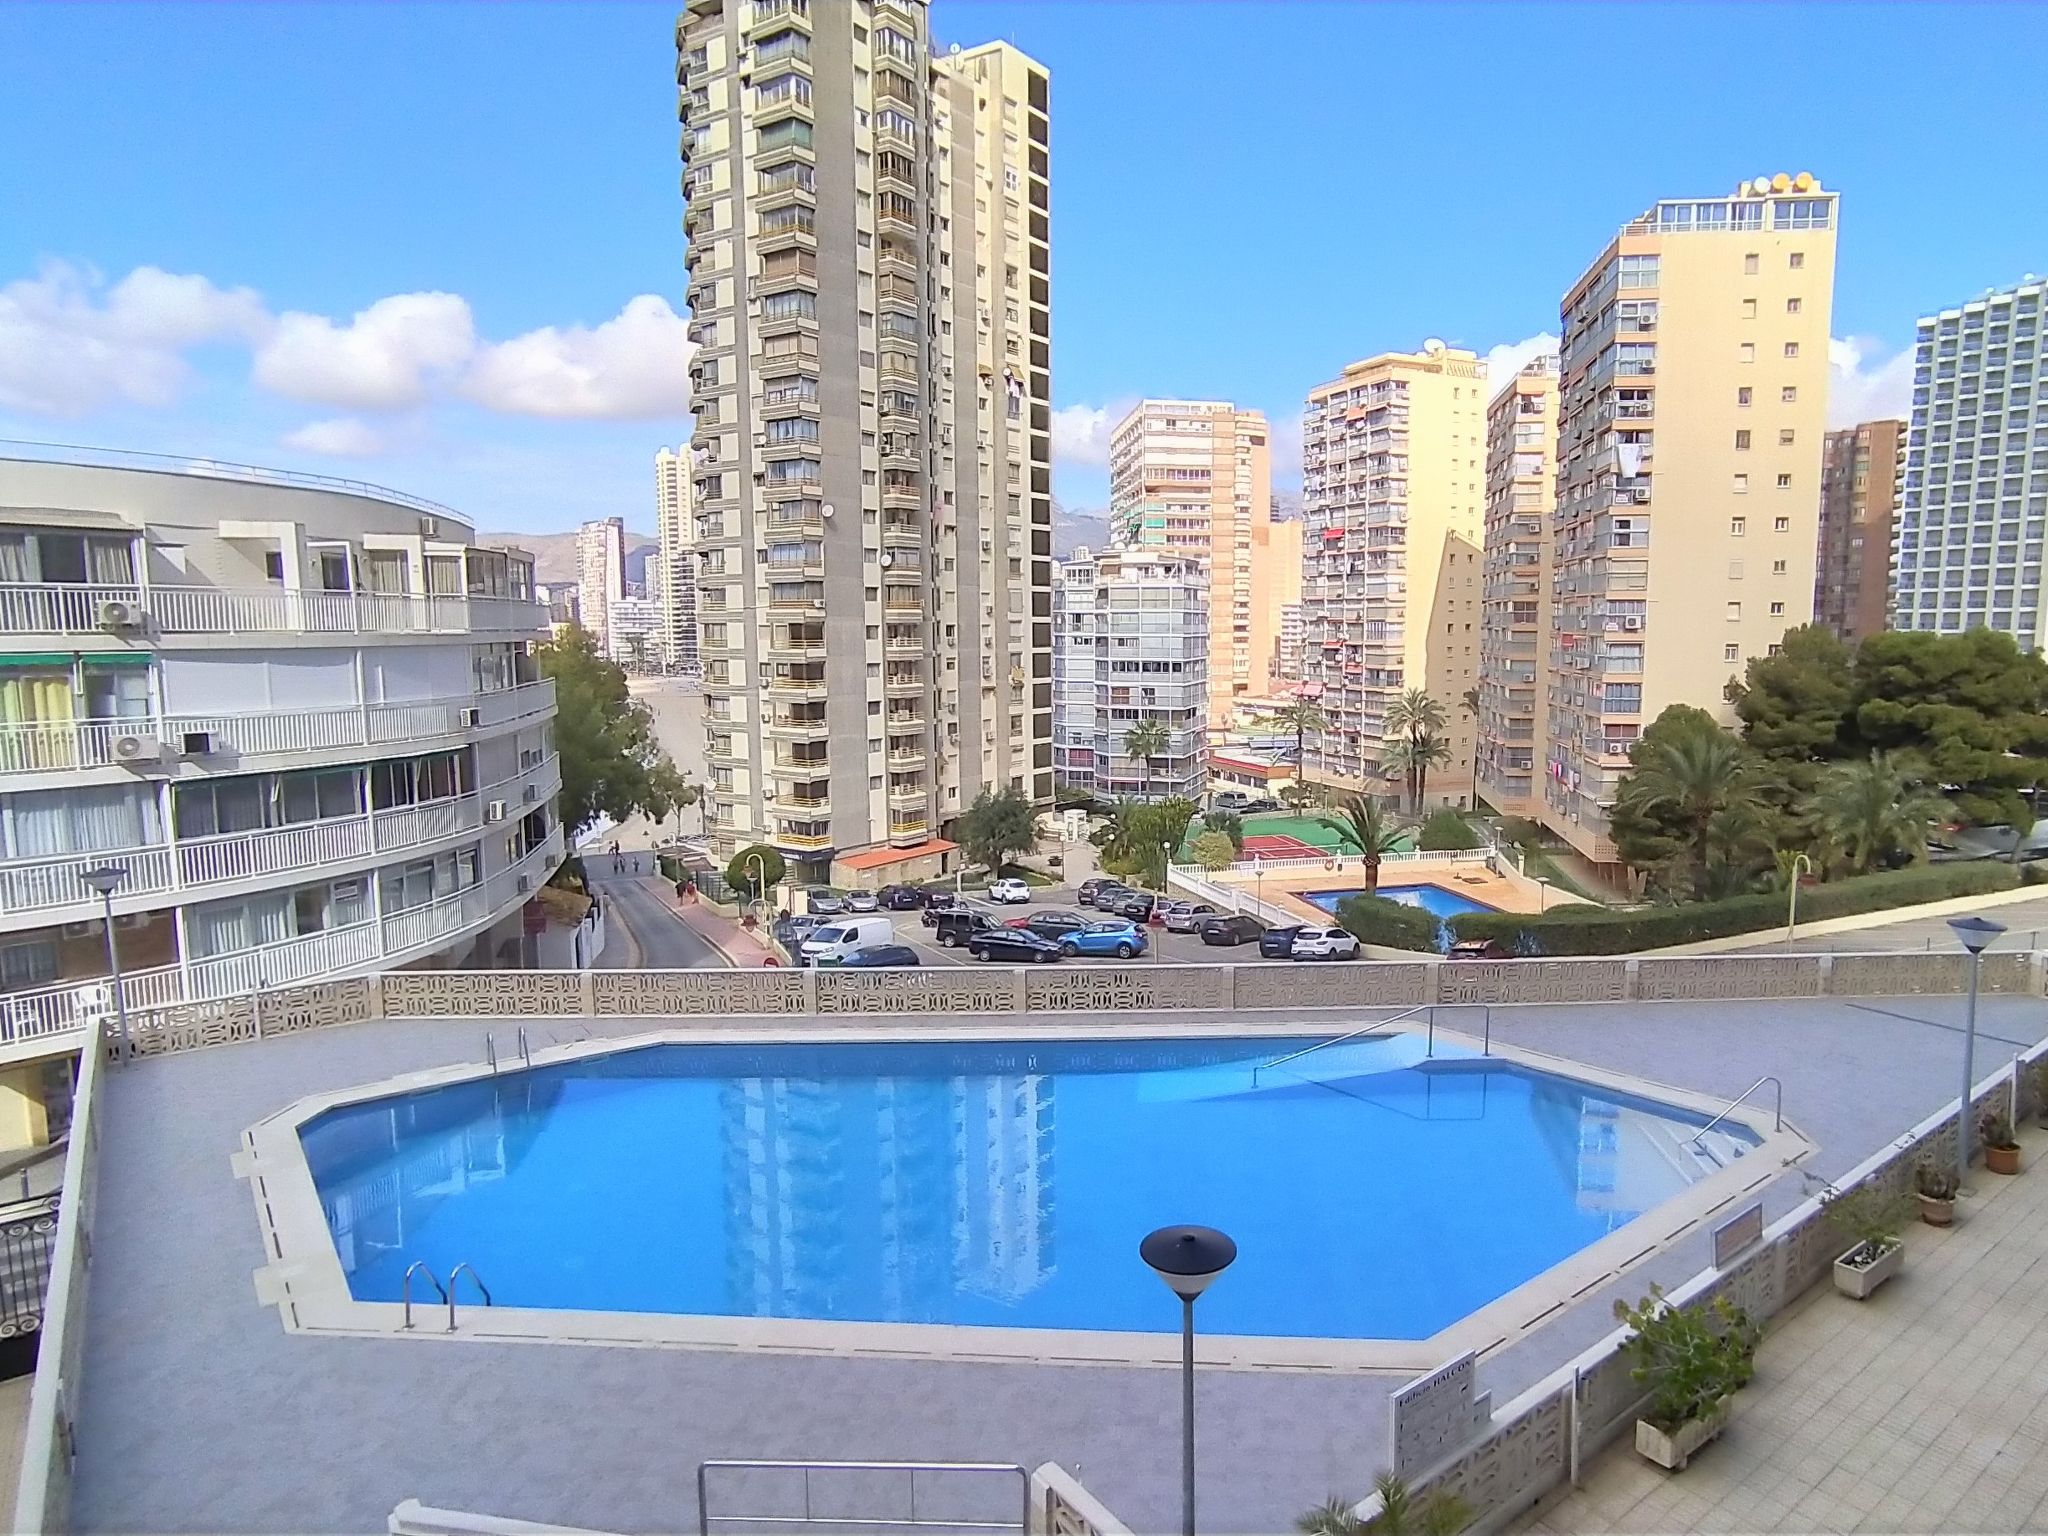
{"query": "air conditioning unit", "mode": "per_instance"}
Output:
(119, 615)
(138, 749)
(495, 810)
(78, 930)
(350, 890)
(530, 794)
(469, 717)
(198, 744)
(1631, 623)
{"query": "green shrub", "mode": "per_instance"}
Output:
(2034, 874)
(1392, 924)
(1577, 930)
(1445, 828)
(1689, 1358)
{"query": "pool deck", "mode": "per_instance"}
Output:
(198, 1411)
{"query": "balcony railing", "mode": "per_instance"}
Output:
(41, 609)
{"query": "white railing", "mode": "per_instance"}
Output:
(288, 960)
(247, 855)
(48, 885)
(279, 610)
(1247, 869)
(358, 725)
(34, 746)
(407, 826)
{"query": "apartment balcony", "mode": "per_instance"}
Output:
(906, 758)
(897, 368)
(903, 532)
(913, 644)
(908, 831)
(807, 728)
(799, 842)
(798, 607)
(901, 602)
(888, 221)
(796, 235)
(903, 684)
(797, 688)
(775, 15)
(726, 756)
(144, 613)
(899, 720)
(809, 807)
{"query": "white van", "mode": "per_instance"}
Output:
(833, 941)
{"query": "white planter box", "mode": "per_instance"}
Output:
(1674, 1450)
(1859, 1280)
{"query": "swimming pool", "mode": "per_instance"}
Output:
(1431, 898)
(1373, 1193)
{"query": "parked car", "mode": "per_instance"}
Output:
(863, 901)
(1136, 905)
(823, 901)
(1265, 803)
(1478, 949)
(1008, 891)
(792, 931)
(1230, 800)
(1325, 944)
(830, 943)
(1112, 938)
(957, 925)
(936, 902)
(881, 954)
(1185, 916)
(902, 898)
(1230, 930)
(1092, 891)
(996, 942)
(1278, 943)
(1053, 922)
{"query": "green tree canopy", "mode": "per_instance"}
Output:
(1414, 727)
(1298, 715)
(604, 737)
(1795, 705)
(1683, 772)
(756, 871)
(1878, 809)
(998, 826)
(1445, 828)
(1214, 850)
(1368, 831)
(1229, 823)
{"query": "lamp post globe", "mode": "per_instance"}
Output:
(1188, 1259)
(1975, 935)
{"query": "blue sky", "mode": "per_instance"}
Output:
(439, 246)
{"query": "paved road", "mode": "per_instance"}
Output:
(641, 932)
(2025, 923)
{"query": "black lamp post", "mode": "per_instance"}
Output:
(1976, 934)
(1188, 1259)
(104, 881)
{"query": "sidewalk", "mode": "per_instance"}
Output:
(1923, 1409)
(723, 934)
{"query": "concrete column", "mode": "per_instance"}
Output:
(24, 1122)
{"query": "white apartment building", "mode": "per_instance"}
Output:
(638, 633)
(869, 288)
(674, 570)
(1131, 643)
(300, 721)
(1974, 503)
(600, 575)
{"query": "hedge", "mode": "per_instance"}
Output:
(1394, 924)
(1445, 829)
(1577, 930)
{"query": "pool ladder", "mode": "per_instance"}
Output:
(1486, 1035)
(491, 1050)
(447, 1293)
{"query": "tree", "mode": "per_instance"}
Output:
(1402, 1513)
(604, 738)
(1146, 740)
(1229, 823)
(1877, 808)
(1679, 781)
(1445, 828)
(1470, 699)
(997, 826)
(1795, 705)
(756, 871)
(1364, 826)
(667, 792)
(1213, 851)
(1299, 715)
(1420, 720)
(1174, 814)
(1406, 761)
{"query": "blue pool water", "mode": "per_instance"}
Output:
(1372, 1194)
(1431, 898)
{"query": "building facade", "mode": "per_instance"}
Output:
(637, 633)
(300, 722)
(600, 575)
(1131, 643)
(1196, 477)
(1859, 474)
(1392, 465)
(1692, 404)
(1514, 645)
(1276, 592)
(676, 570)
(1974, 499)
(870, 289)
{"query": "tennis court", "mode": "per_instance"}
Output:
(1281, 847)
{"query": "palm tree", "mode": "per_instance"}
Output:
(1470, 699)
(1300, 716)
(1419, 718)
(1365, 826)
(1874, 808)
(1407, 761)
(1692, 779)
(1402, 1513)
(1147, 739)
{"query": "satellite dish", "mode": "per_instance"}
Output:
(887, 559)
(825, 510)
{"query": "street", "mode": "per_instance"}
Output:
(641, 933)
(1165, 948)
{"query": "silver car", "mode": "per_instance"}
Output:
(863, 901)
(1185, 916)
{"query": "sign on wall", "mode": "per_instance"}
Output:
(1737, 1234)
(1433, 1417)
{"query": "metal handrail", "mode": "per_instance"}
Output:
(1009, 1468)
(491, 1052)
(1777, 1108)
(1364, 1029)
(458, 1270)
(525, 1055)
(418, 1266)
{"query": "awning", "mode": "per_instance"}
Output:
(66, 658)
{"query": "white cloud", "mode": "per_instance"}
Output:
(387, 357)
(342, 437)
(1080, 433)
(1864, 384)
(1511, 357)
(633, 367)
(70, 345)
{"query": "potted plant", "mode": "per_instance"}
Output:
(2001, 1147)
(1436, 1513)
(1869, 1217)
(1693, 1360)
(1936, 1185)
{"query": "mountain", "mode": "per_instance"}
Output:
(1286, 506)
(1074, 528)
(554, 554)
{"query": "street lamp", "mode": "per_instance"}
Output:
(106, 879)
(1188, 1259)
(760, 877)
(1542, 894)
(1792, 896)
(1976, 934)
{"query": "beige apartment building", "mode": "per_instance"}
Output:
(674, 584)
(1692, 407)
(1514, 646)
(1858, 506)
(1393, 457)
(600, 575)
(869, 287)
(1276, 588)
(1196, 476)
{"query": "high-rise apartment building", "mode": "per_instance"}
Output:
(674, 583)
(1287, 647)
(1196, 477)
(1392, 468)
(1276, 589)
(1859, 473)
(1692, 404)
(870, 291)
(600, 575)
(1514, 646)
(1974, 500)
(1131, 643)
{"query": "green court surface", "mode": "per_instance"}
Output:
(1305, 829)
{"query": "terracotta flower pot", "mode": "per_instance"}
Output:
(1937, 1213)
(2002, 1159)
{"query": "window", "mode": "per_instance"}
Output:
(1749, 309)
(1741, 439)
(101, 819)
(1785, 437)
(1732, 651)
(1782, 525)
(1788, 395)
(1796, 260)
(1777, 567)
(1784, 482)
(1638, 272)
(1791, 306)
(1749, 264)
(1738, 526)
(1748, 352)
(1734, 612)
(1791, 349)
(1777, 609)
(1740, 488)
(1742, 395)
